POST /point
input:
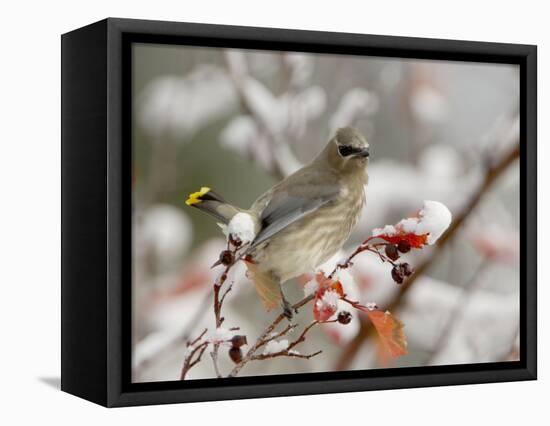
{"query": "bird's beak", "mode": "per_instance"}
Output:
(363, 152)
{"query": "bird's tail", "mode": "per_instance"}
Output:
(212, 203)
(266, 285)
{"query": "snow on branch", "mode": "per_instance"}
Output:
(241, 228)
(425, 228)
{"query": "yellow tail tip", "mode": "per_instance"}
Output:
(195, 197)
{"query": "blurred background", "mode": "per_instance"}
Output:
(239, 121)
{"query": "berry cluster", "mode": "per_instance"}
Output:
(400, 270)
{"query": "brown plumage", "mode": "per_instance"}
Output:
(303, 220)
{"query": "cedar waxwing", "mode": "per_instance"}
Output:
(302, 221)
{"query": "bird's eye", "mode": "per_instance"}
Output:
(345, 150)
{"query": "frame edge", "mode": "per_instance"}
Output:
(83, 219)
(118, 396)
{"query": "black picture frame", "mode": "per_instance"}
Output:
(96, 203)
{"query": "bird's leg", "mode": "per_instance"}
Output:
(287, 307)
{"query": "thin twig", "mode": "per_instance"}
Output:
(189, 362)
(348, 262)
(264, 337)
(275, 336)
(286, 353)
(289, 351)
(214, 355)
(217, 314)
(227, 290)
(194, 342)
(365, 246)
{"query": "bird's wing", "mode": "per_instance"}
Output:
(289, 206)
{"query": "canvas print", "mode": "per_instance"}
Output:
(305, 213)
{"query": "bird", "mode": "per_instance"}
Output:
(303, 220)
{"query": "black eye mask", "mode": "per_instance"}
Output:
(347, 150)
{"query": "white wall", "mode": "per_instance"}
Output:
(30, 243)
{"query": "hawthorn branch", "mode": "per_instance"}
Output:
(218, 302)
(493, 171)
(269, 334)
(194, 342)
(275, 336)
(289, 351)
(194, 354)
(364, 246)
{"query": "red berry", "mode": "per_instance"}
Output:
(397, 274)
(344, 317)
(235, 241)
(391, 251)
(226, 257)
(406, 269)
(404, 246)
(237, 341)
(235, 354)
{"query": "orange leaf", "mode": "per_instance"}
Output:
(337, 287)
(416, 241)
(326, 283)
(390, 332)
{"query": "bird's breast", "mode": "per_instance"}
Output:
(310, 242)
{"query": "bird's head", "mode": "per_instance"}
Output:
(347, 151)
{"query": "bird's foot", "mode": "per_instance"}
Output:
(288, 312)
